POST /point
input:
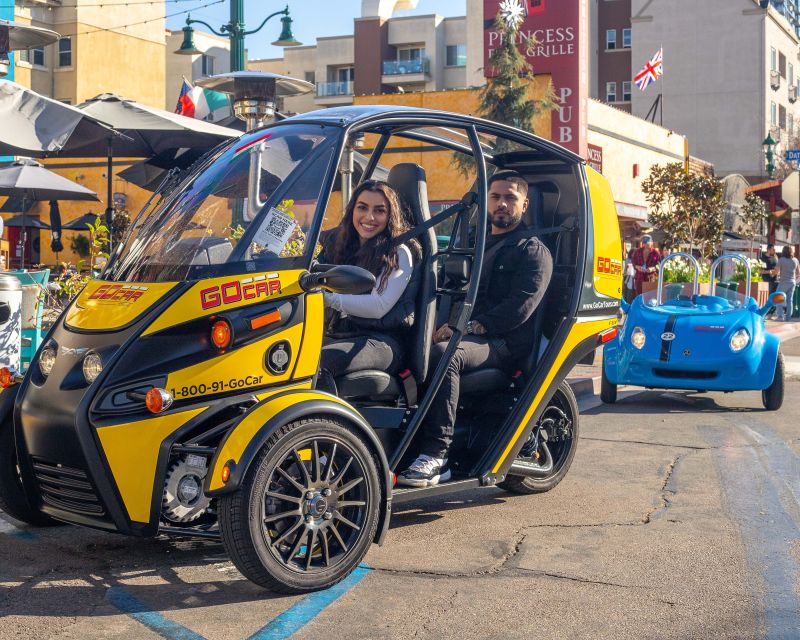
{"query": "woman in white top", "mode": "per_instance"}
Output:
(367, 329)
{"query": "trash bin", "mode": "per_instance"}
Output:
(796, 303)
(11, 331)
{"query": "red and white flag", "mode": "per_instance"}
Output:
(651, 71)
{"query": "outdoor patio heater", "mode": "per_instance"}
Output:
(255, 93)
(15, 37)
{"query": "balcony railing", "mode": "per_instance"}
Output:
(405, 67)
(329, 89)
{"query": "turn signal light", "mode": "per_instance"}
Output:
(6, 378)
(225, 474)
(779, 298)
(221, 334)
(157, 400)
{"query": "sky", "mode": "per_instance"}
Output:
(311, 18)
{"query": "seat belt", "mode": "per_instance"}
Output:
(465, 203)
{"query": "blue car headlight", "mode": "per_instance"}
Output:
(740, 340)
(638, 338)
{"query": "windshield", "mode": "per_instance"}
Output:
(679, 294)
(250, 209)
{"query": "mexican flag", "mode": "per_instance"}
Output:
(196, 102)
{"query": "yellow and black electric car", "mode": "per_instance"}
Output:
(176, 394)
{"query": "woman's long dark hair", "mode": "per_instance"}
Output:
(378, 255)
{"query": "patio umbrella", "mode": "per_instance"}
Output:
(82, 223)
(25, 221)
(31, 181)
(36, 126)
(148, 131)
(149, 174)
(55, 228)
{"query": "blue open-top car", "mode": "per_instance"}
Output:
(676, 338)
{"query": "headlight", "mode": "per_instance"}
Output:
(740, 340)
(92, 366)
(47, 358)
(638, 338)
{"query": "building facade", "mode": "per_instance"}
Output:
(215, 59)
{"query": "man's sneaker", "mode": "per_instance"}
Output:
(425, 472)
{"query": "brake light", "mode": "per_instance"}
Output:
(157, 400)
(608, 335)
(221, 334)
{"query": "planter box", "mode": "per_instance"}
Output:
(703, 288)
(758, 290)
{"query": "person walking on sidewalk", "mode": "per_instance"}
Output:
(788, 273)
(645, 262)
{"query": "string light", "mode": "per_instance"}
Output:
(107, 4)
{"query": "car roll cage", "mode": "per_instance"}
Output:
(726, 258)
(672, 256)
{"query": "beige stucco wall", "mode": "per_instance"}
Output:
(179, 66)
(295, 63)
(627, 141)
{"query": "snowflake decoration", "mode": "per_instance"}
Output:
(512, 12)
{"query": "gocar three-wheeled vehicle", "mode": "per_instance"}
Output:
(676, 338)
(176, 394)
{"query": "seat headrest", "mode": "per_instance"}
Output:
(408, 179)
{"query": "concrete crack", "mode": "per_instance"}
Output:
(665, 493)
(649, 444)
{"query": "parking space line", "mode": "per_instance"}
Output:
(299, 615)
(153, 620)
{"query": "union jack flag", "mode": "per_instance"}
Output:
(651, 71)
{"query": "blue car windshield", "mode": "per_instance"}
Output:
(250, 209)
(680, 295)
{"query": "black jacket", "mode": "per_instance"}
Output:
(512, 285)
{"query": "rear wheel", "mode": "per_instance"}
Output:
(549, 451)
(772, 396)
(13, 500)
(608, 390)
(307, 510)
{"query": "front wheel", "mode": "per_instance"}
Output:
(772, 396)
(608, 390)
(307, 510)
(13, 500)
(551, 447)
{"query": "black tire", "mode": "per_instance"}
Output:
(608, 390)
(560, 417)
(297, 544)
(13, 499)
(772, 396)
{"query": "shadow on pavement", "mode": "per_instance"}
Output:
(668, 402)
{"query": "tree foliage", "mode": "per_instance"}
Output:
(752, 216)
(505, 96)
(687, 207)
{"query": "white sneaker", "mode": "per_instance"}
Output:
(425, 471)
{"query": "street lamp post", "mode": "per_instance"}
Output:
(236, 33)
(769, 152)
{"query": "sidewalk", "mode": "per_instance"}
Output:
(585, 379)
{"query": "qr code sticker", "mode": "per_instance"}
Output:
(275, 231)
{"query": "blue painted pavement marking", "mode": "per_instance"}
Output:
(149, 618)
(299, 615)
(15, 532)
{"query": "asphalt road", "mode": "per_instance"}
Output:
(680, 518)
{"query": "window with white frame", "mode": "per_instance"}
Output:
(410, 54)
(611, 91)
(345, 74)
(626, 38)
(773, 59)
(611, 39)
(773, 114)
(65, 52)
(791, 74)
(626, 91)
(456, 55)
(207, 65)
(790, 125)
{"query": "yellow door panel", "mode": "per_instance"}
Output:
(607, 271)
(223, 294)
(308, 360)
(579, 332)
(244, 432)
(234, 371)
(111, 305)
(132, 453)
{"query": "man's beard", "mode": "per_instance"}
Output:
(505, 220)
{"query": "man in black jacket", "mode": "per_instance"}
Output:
(516, 271)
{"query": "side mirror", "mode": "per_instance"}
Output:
(5, 312)
(339, 279)
(779, 297)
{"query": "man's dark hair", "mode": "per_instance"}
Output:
(770, 246)
(508, 175)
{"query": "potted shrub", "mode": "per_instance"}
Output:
(756, 288)
(680, 270)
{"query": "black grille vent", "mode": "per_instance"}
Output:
(67, 488)
(685, 374)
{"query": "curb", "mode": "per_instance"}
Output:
(584, 386)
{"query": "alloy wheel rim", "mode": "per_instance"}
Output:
(314, 505)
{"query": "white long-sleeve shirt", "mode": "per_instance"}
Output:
(375, 305)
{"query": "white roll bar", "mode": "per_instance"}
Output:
(724, 258)
(692, 260)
